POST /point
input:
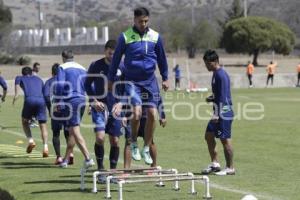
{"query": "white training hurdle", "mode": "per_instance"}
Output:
(150, 177)
(144, 175)
(83, 171)
(205, 178)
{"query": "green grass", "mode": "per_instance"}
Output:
(266, 153)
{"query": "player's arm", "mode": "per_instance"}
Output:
(4, 87)
(90, 79)
(221, 96)
(17, 91)
(119, 51)
(162, 63)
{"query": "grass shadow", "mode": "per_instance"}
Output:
(55, 181)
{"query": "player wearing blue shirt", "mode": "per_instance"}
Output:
(34, 106)
(220, 124)
(143, 49)
(56, 124)
(101, 102)
(177, 72)
(70, 96)
(4, 87)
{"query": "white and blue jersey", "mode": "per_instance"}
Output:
(69, 90)
(34, 103)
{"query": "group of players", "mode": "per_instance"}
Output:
(122, 95)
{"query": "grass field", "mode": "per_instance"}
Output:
(266, 152)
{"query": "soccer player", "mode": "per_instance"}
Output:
(34, 106)
(143, 49)
(56, 124)
(70, 91)
(298, 71)
(4, 87)
(36, 68)
(220, 124)
(102, 102)
(271, 71)
(177, 72)
(250, 70)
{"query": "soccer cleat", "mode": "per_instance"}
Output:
(146, 156)
(45, 153)
(30, 147)
(213, 167)
(88, 163)
(64, 164)
(135, 153)
(226, 171)
(71, 160)
(58, 160)
(33, 125)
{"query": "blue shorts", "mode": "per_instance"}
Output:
(141, 132)
(107, 123)
(221, 129)
(34, 107)
(146, 95)
(74, 110)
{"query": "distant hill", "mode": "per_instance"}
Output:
(59, 13)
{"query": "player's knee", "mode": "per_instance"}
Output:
(25, 121)
(209, 136)
(114, 142)
(100, 141)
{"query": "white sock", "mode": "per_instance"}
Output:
(146, 148)
(30, 140)
(45, 146)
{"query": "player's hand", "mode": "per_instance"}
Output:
(210, 99)
(165, 85)
(163, 122)
(98, 105)
(89, 110)
(124, 121)
(117, 109)
(14, 101)
(215, 118)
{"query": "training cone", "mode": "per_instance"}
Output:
(19, 142)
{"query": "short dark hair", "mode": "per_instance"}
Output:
(26, 71)
(35, 64)
(141, 11)
(55, 68)
(67, 54)
(110, 44)
(211, 56)
(35, 67)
